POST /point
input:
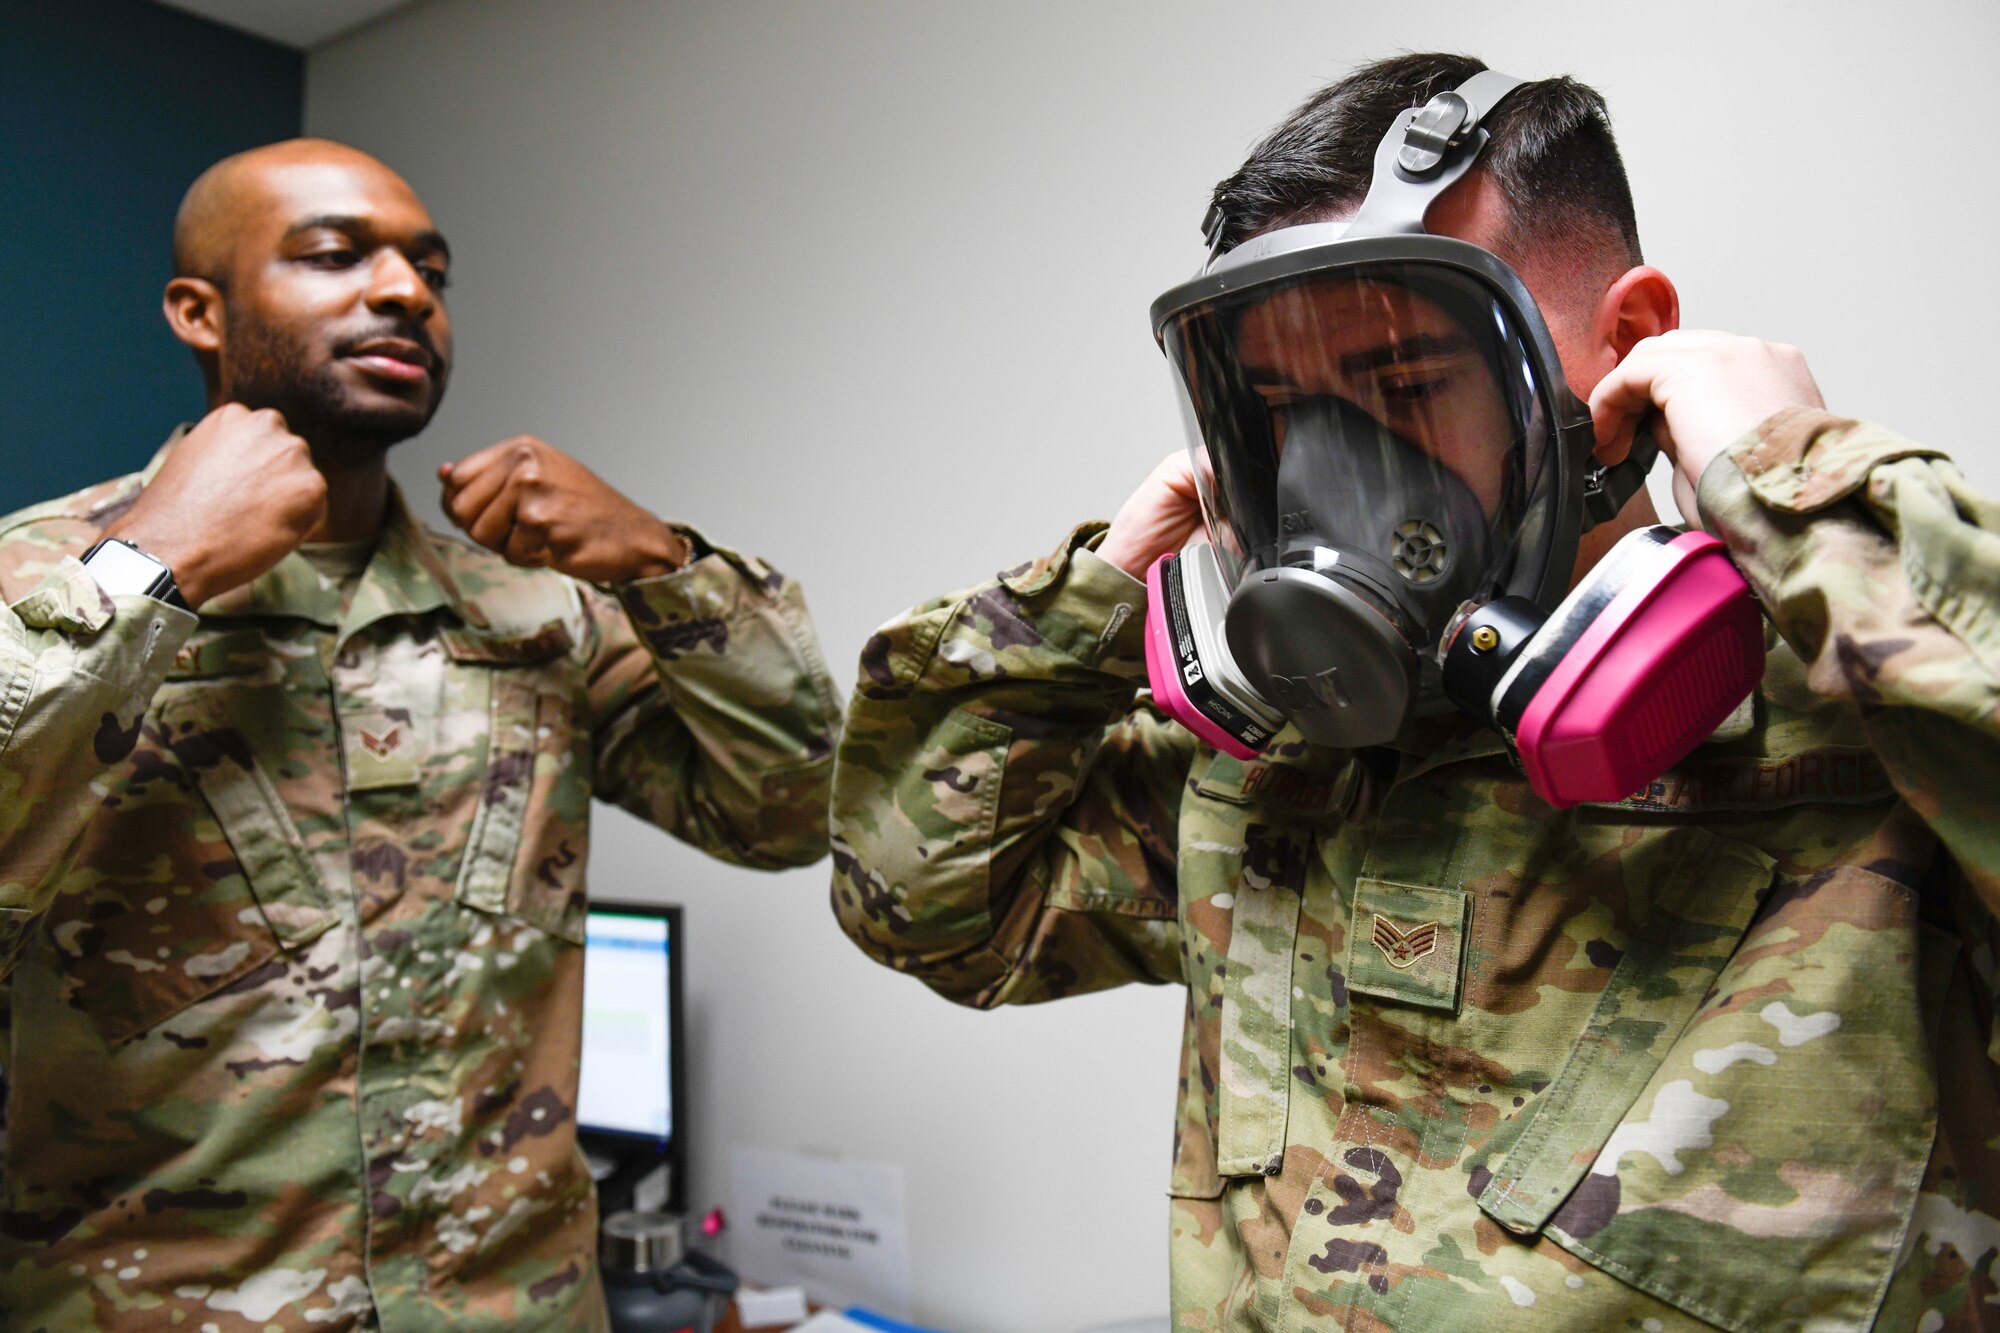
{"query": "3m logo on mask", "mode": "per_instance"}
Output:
(1305, 694)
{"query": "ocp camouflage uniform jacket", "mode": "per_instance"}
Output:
(1719, 1054)
(291, 907)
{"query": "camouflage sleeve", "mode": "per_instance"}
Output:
(78, 670)
(1881, 568)
(713, 713)
(1004, 815)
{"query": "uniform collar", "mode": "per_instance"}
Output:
(405, 577)
(1450, 741)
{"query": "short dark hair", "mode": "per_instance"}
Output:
(1552, 155)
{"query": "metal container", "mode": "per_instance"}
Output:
(641, 1242)
(652, 1282)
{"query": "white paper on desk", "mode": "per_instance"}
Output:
(835, 1228)
(826, 1321)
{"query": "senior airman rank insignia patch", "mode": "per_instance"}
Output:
(1403, 948)
(1407, 943)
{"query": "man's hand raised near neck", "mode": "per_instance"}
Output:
(235, 495)
(1709, 389)
(540, 508)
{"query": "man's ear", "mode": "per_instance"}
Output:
(194, 312)
(1642, 304)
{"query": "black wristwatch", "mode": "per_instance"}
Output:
(120, 567)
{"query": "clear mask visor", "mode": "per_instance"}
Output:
(1384, 424)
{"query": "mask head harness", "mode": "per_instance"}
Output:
(1394, 475)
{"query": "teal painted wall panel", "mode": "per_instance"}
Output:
(108, 109)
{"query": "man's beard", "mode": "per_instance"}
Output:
(270, 368)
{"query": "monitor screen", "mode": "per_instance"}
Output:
(626, 1087)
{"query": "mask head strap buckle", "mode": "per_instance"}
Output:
(1606, 489)
(1435, 131)
(1417, 159)
(1427, 149)
(1212, 225)
(1449, 119)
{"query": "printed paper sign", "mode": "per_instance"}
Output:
(835, 1228)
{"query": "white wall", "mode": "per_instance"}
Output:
(862, 287)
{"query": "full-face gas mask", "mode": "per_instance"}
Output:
(1394, 475)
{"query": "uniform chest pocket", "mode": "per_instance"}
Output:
(197, 876)
(1757, 1162)
(525, 849)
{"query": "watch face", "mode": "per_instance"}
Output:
(120, 569)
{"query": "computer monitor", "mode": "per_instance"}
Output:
(629, 1096)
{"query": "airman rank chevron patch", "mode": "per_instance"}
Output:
(1407, 943)
(1404, 947)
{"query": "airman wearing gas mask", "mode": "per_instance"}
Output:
(1558, 955)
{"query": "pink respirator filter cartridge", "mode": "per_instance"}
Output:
(1676, 648)
(1193, 677)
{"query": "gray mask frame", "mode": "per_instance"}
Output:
(1426, 150)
